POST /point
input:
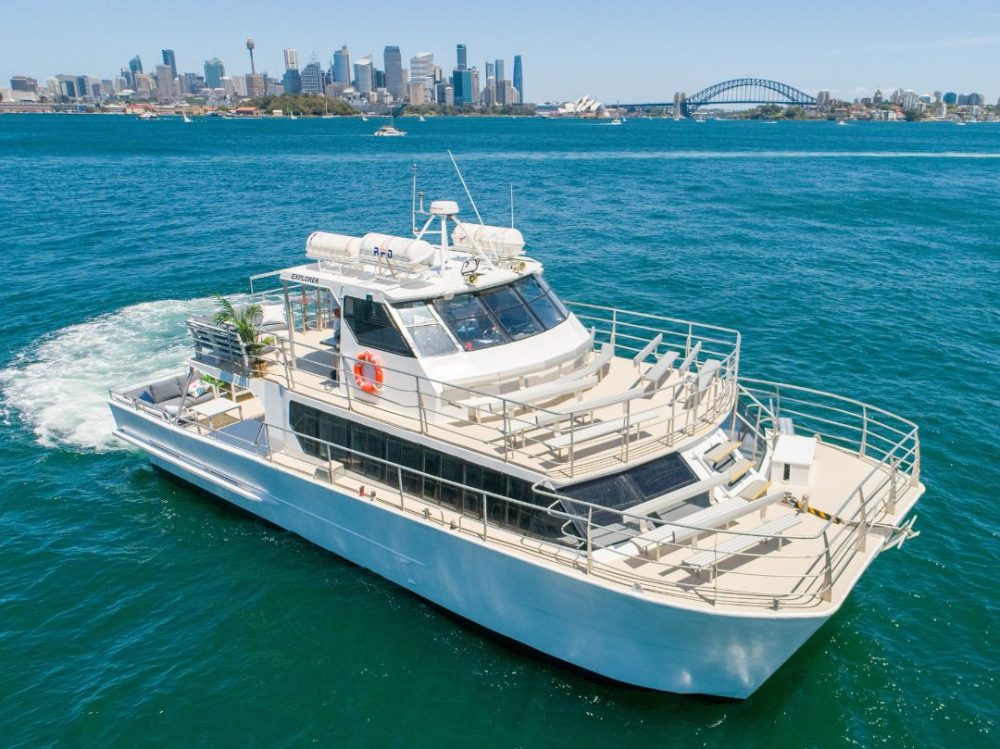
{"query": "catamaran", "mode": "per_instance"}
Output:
(602, 485)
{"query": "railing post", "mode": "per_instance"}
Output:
(590, 545)
(862, 532)
(347, 383)
(421, 415)
(484, 516)
(628, 426)
(891, 504)
(614, 327)
(399, 480)
(864, 432)
(827, 593)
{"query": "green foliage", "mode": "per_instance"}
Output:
(467, 109)
(912, 115)
(242, 319)
(304, 104)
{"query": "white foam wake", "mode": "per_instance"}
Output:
(60, 386)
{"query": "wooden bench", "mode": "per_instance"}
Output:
(721, 452)
(669, 500)
(739, 470)
(555, 415)
(600, 429)
(756, 489)
(735, 544)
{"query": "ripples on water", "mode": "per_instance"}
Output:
(862, 260)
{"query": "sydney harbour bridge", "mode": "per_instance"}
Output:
(735, 91)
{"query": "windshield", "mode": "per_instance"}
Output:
(518, 310)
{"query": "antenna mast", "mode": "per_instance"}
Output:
(511, 205)
(465, 186)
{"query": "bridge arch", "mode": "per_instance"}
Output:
(746, 91)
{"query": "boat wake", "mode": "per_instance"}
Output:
(59, 386)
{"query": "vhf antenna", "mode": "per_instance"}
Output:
(465, 186)
(511, 205)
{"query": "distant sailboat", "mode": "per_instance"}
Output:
(291, 116)
(187, 119)
(422, 119)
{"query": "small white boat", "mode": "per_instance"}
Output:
(422, 119)
(364, 118)
(615, 121)
(147, 116)
(388, 131)
(960, 123)
(291, 116)
(841, 122)
(187, 120)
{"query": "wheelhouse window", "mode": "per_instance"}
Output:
(511, 312)
(518, 310)
(372, 327)
(470, 322)
(542, 300)
(428, 335)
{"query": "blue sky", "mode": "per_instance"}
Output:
(630, 51)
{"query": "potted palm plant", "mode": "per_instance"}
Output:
(244, 321)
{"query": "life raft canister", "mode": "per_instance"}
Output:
(371, 385)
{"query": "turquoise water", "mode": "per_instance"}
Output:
(863, 260)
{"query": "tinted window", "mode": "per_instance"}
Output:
(372, 326)
(470, 322)
(511, 312)
(543, 302)
(426, 332)
(310, 424)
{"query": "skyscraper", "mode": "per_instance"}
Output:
(164, 83)
(394, 72)
(135, 65)
(461, 82)
(463, 61)
(499, 78)
(215, 71)
(312, 78)
(498, 71)
(342, 66)
(422, 70)
(364, 77)
(169, 59)
(519, 79)
(291, 59)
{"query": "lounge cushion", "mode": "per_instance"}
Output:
(166, 390)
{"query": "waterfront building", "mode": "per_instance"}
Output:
(445, 94)
(291, 59)
(498, 72)
(143, 85)
(312, 79)
(393, 61)
(337, 88)
(135, 65)
(506, 93)
(908, 100)
(170, 60)
(461, 54)
(292, 81)
(164, 83)
(254, 84)
(363, 75)
(422, 70)
(24, 83)
(975, 100)
(342, 66)
(215, 71)
(519, 79)
(378, 78)
(823, 101)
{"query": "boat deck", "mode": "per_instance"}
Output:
(679, 417)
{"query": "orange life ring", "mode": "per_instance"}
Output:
(371, 385)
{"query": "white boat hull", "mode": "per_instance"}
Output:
(629, 636)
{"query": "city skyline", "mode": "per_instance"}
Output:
(672, 49)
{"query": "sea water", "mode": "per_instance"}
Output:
(862, 260)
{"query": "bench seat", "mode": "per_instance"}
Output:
(735, 544)
(537, 394)
(721, 451)
(756, 489)
(600, 429)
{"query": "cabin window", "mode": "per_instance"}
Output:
(511, 312)
(311, 425)
(542, 300)
(470, 322)
(480, 319)
(428, 335)
(373, 328)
